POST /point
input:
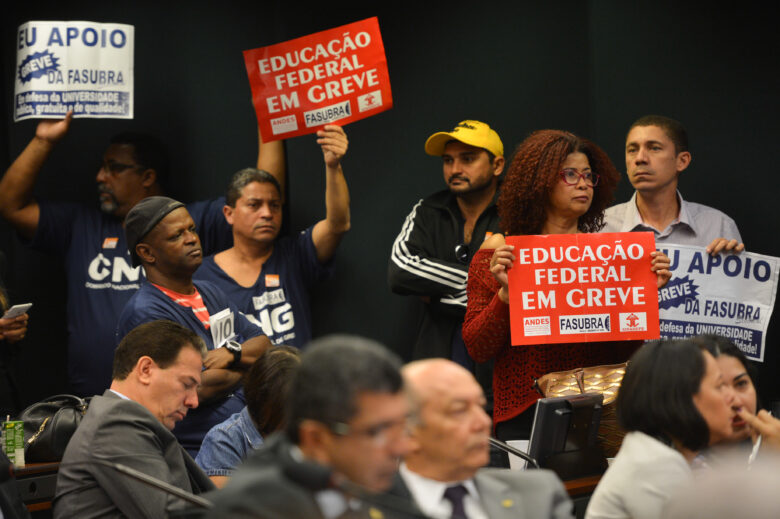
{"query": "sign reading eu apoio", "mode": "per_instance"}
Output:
(582, 288)
(86, 67)
(334, 76)
(731, 295)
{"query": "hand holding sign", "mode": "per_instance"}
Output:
(53, 130)
(719, 245)
(500, 263)
(660, 265)
(334, 144)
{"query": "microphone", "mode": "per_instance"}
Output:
(159, 484)
(308, 474)
(148, 480)
(511, 450)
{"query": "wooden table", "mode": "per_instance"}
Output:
(582, 486)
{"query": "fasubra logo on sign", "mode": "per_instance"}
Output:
(591, 323)
(327, 114)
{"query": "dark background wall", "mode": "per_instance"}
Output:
(590, 67)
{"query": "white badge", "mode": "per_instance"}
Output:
(222, 328)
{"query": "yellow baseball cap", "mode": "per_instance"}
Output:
(474, 133)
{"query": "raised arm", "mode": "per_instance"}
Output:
(16, 202)
(270, 157)
(327, 233)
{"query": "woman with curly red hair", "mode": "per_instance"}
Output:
(557, 183)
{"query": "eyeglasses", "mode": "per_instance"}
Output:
(572, 177)
(462, 253)
(379, 434)
(115, 168)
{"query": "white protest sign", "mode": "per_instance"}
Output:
(731, 295)
(86, 67)
(222, 327)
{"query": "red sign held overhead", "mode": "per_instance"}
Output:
(582, 288)
(334, 76)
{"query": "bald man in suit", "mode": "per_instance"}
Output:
(444, 475)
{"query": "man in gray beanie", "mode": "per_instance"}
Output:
(161, 237)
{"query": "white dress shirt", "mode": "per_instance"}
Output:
(429, 495)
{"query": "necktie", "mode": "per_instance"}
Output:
(455, 495)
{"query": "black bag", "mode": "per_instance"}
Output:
(48, 426)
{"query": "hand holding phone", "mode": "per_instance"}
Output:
(17, 310)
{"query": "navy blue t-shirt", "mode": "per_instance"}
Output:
(278, 302)
(150, 304)
(101, 278)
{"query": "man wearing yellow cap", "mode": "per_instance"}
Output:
(431, 255)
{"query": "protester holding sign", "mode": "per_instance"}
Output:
(656, 154)
(269, 277)
(558, 183)
(91, 241)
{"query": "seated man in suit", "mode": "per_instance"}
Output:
(156, 374)
(345, 432)
(444, 471)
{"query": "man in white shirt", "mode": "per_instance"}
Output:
(656, 154)
(444, 473)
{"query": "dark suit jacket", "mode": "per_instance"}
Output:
(262, 488)
(122, 431)
(514, 494)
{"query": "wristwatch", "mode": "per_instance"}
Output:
(234, 348)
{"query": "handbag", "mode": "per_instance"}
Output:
(49, 425)
(603, 379)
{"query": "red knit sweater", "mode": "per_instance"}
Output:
(486, 334)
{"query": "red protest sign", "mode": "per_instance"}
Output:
(582, 288)
(334, 76)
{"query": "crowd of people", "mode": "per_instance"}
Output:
(192, 326)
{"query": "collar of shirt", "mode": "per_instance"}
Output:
(332, 503)
(633, 219)
(429, 495)
(250, 431)
(120, 395)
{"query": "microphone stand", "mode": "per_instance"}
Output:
(154, 482)
(511, 450)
